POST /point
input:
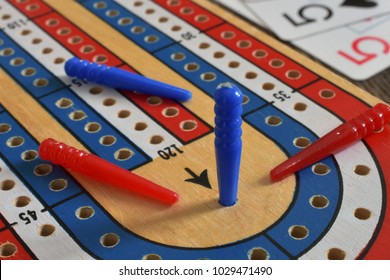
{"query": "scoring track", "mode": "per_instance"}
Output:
(303, 218)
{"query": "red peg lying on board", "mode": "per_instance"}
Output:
(102, 170)
(346, 134)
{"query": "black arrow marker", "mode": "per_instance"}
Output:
(202, 179)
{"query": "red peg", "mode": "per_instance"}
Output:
(102, 170)
(348, 133)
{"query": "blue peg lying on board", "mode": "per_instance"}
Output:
(122, 79)
(228, 144)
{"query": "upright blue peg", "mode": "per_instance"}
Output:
(228, 144)
(122, 79)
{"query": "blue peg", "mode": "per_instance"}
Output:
(122, 79)
(228, 144)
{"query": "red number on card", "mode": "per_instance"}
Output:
(363, 55)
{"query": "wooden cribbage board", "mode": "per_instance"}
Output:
(335, 209)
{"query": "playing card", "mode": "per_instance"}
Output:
(359, 51)
(240, 8)
(296, 19)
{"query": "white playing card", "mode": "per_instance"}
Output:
(296, 19)
(359, 51)
(240, 8)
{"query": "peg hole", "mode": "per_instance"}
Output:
(273, 120)
(156, 139)
(64, 31)
(218, 54)
(336, 254)
(17, 61)
(43, 169)
(109, 102)
(320, 169)
(4, 128)
(95, 90)
(250, 75)
(140, 126)
(123, 154)
(46, 230)
(202, 18)
(276, 63)
(85, 212)
(188, 125)
(319, 201)
(293, 74)
(234, 64)
(244, 44)
(327, 93)
(100, 58)
(154, 101)
(245, 100)
(7, 185)
(362, 214)
(64, 103)
(204, 45)
(77, 115)
(228, 35)
(22, 201)
(7, 250)
(40, 82)
(58, 185)
(138, 29)
(107, 140)
(152, 257)
(258, 254)
(109, 240)
(92, 127)
(122, 114)
(191, 67)
(125, 21)
(15, 141)
(208, 76)
(29, 155)
(300, 107)
(301, 142)
(151, 39)
(7, 52)
(362, 170)
(298, 232)
(259, 53)
(268, 86)
(170, 112)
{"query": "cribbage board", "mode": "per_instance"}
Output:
(336, 209)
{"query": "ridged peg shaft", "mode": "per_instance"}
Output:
(228, 144)
(121, 79)
(102, 170)
(346, 134)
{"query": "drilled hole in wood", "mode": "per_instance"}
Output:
(156, 139)
(152, 257)
(250, 75)
(77, 115)
(191, 67)
(320, 169)
(122, 114)
(151, 39)
(95, 90)
(75, 40)
(87, 49)
(109, 102)
(17, 61)
(92, 127)
(298, 232)
(43, 169)
(58, 185)
(268, 86)
(245, 100)
(301, 142)
(100, 5)
(228, 35)
(188, 125)
(234, 64)
(52, 22)
(259, 53)
(244, 44)
(163, 19)
(219, 54)
(46, 230)
(6, 17)
(64, 103)
(7, 185)
(202, 18)
(362, 170)
(138, 29)
(258, 254)
(208, 76)
(319, 201)
(112, 13)
(25, 32)
(85, 212)
(5, 127)
(40, 82)
(187, 10)
(154, 101)
(15, 141)
(125, 21)
(7, 52)
(170, 112)
(58, 60)
(32, 7)
(204, 45)
(327, 93)
(22, 201)
(36, 41)
(273, 120)
(64, 31)
(293, 74)
(107, 140)
(300, 107)
(140, 126)
(28, 72)
(123, 154)
(178, 56)
(362, 214)
(100, 58)
(336, 254)
(8, 250)
(173, 3)
(276, 63)
(29, 155)
(109, 240)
